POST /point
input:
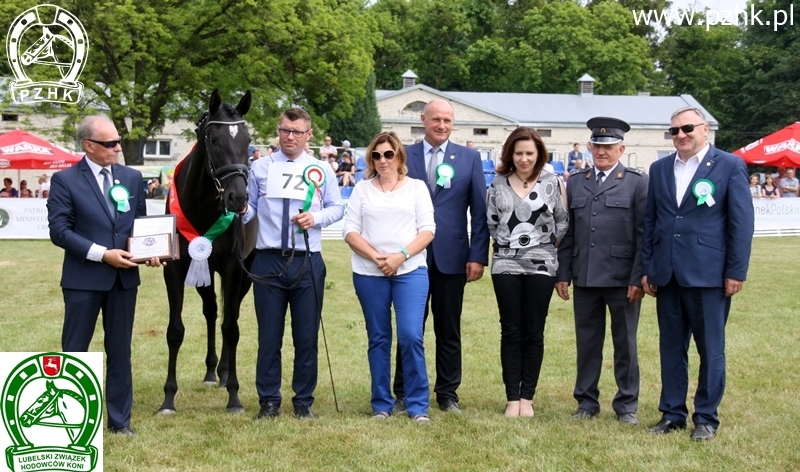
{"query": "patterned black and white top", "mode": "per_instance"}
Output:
(525, 230)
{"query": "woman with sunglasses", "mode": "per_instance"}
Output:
(389, 224)
(527, 219)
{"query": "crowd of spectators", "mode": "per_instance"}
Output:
(784, 186)
(8, 190)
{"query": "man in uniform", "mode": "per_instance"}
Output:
(601, 254)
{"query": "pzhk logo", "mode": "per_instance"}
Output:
(62, 47)
(52, 408)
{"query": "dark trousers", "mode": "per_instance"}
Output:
(118, 306)
(590, 332)
(523, 302)
(684, 312)
(446, 295)
(271, 302)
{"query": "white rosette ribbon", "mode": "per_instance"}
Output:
(199, 250)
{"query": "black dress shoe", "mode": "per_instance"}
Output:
(703, 432)
(399, 406)
(666, 426)
(450, 406)
(124, 431)
(584, 414)
(303, 413)
(269, 410)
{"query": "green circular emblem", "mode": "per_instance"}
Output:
(4, 218)
(52, 408)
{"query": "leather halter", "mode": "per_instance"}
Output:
(227, 171)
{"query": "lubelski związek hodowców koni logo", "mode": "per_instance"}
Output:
(52, 409)
(47, 49)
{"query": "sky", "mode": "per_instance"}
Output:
(703, 4)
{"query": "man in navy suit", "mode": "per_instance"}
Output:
(455, 179)
(97, 274)
(698, 230)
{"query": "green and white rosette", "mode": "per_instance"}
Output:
(704, 190)
(120, 196)
(200, 248)
(445, 174)
(314, 177)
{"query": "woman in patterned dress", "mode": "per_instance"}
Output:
(527, 219)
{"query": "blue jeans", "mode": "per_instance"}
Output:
(408, 293)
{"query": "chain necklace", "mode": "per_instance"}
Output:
(381, 184)
(524, 182)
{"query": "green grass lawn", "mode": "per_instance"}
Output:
(760, 413)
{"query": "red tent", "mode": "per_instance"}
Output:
(21, 150)
(779, 149)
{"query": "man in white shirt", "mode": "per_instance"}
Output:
(327, 149)
(289, 270)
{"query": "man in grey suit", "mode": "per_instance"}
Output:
(601, 254)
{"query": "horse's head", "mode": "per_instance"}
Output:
(225, 138)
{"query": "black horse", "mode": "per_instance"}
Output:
(209, 184)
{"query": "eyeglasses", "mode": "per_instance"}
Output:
(685, 128)
(296, 133)
(388, 155)
(106, 144)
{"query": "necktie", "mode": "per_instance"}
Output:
(106, 189)
(601, 177)
(285, 225)
(432, 167)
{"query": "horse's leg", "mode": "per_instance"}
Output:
(209, 297)
(235, 288)
(175, 333)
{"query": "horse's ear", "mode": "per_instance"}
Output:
(244, 104)
(215, 102)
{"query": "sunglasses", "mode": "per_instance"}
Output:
(388, 155)
(685, 128)
(107, 144)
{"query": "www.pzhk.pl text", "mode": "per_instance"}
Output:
(711, 17)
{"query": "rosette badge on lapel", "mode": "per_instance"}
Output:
(703, 190)
(120, 196)
(445, 173)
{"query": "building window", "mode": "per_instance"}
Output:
(158, 149)
(480, 131)
(10, 117)
(417, 130)
(663, 154)
(415, 107)
(545, 133)
(667, 136)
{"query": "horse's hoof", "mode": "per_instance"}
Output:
(238, 410)
(166, 412)
(222, 385)
(209, 383)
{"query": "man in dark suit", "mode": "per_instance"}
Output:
(698, 230)
(455, 179)
(601, 254)
(91, 222)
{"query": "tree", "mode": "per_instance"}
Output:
(768, 90)
(364, 123)
(151, 60)
(706, 64)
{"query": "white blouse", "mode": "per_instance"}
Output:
(388, 221)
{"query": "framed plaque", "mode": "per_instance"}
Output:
(154, 236)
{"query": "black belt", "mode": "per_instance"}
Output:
(288, 253)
